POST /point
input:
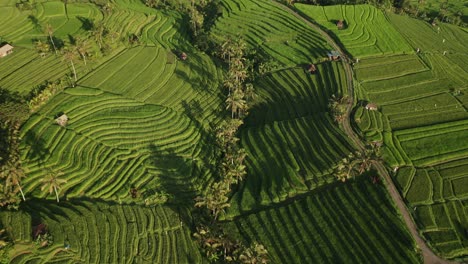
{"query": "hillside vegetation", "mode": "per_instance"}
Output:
(146, 96)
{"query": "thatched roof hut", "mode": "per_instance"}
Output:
(311, 68)
(372, 107)
(334, 55)
(62, 120)
(340, 24)
(5, 50)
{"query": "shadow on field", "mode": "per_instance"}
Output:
(37, 147)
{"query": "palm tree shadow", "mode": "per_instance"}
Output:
(37, 147)
(175, 174)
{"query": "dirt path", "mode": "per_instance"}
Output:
(428, 256)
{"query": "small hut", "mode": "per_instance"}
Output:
(62, 120)
(334, 55)
(372, 107)
(311, 68)
(183, 56)
(5, 50)
(340, 24)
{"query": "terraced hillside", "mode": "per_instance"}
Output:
(274, 33)
(123, 131)
(101, 233)
(291, 141)
(25, 69)
(21, 27)
(366, 30)
(140, 119)
(422, 120)
(341, 223)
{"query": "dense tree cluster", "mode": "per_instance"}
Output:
(239, 96)
(357, 163)
(219, 247)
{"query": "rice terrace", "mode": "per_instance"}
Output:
(233, 131)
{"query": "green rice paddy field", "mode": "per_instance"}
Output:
(422, 119)
(140, 118)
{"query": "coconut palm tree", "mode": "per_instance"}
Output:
(50, 31)
(255, 254)
(53, 183)
(82, 47)
(99, 32)
(215, 199)
(42, 47)
(13, 173)
(70, 55)
(236, 103)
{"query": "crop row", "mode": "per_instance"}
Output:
(435, 195)
(343, 223)
(293, 93)
(271, 31)
(24, 70)
(98, 232)
(366, 31)
(190, 87)
(110, 145)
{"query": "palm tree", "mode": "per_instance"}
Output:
(98, 33)
(215, 199)
(42, 47)
(53, 183)
(50, 31)
(196, 19)
(13, 173)
(255, 254)
(81, 47)
(235, 102)
(70, 55)
(3, 238)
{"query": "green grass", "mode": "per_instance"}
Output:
(344, 223)
(367, 31)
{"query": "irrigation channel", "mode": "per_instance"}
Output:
(428, 256)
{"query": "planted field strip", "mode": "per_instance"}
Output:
(381, 68)
(271, 31)
(16, 27)
(190, 87)
(433, 42)
(291, 141)
(289, 157)
(109, 144)
(422, 101)
(24, 69)
(344, 223)
(294, 93)
(432, 144)
(437, 196)
(410, 95)
(103, 233)
(366, 32)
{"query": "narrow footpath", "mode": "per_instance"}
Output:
(428, 256)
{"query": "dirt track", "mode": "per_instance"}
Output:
(428, 256)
